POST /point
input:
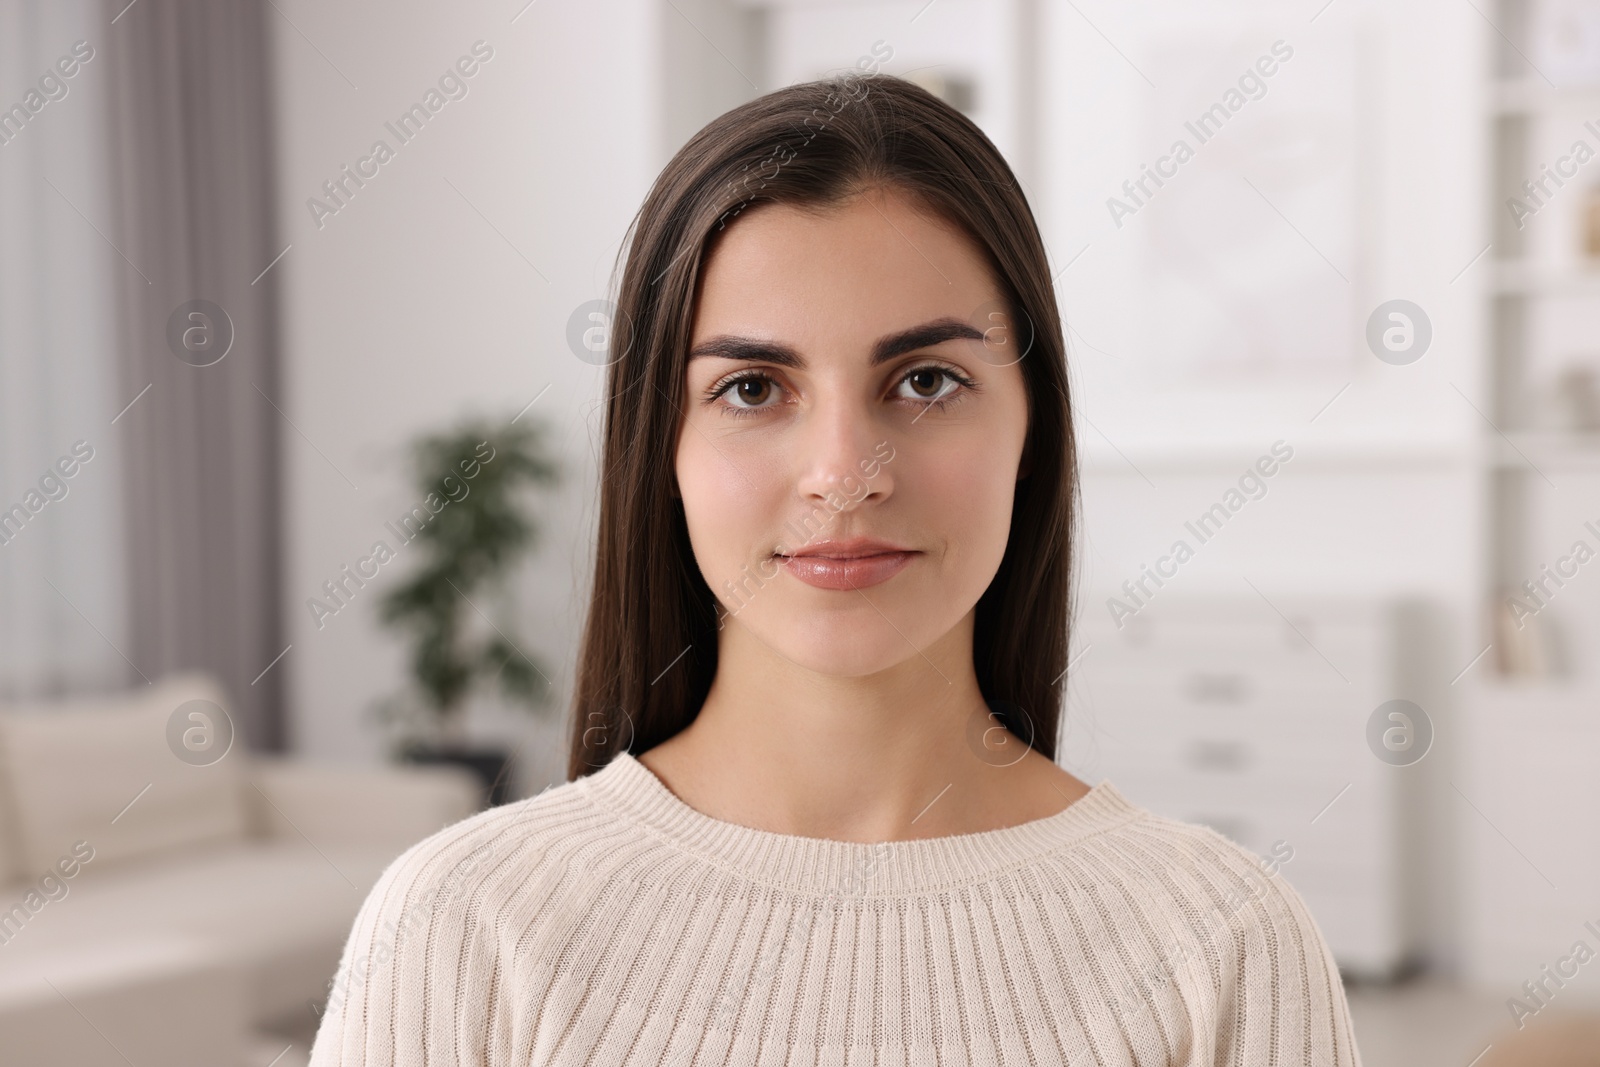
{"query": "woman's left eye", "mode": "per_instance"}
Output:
(933, 384)
(744, 394)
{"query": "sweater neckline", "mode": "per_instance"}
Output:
(827, 867)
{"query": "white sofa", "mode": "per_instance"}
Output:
(155, 910)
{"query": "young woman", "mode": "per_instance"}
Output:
(814, 814)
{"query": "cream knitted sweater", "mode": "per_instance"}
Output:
(606, 922)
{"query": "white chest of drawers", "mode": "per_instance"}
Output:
(1227, 713)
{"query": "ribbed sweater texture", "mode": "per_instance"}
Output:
(607, 922)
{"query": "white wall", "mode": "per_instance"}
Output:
(63, 608)
(1382, 493)
(444, 287)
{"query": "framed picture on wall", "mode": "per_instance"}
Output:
(1252, 245)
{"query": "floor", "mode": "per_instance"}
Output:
(1432, 1024)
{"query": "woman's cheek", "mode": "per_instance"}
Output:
(728, 503)
(969, 491)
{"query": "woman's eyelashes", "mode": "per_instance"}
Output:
(746, 390)
(928, 385)
(947, 385)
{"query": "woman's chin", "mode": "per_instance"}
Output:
(846, 654)
(850, 640)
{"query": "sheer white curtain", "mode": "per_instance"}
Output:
(63, 598)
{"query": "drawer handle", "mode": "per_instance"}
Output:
(1219, 688)
(1229, 756)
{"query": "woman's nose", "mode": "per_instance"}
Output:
(839, 456)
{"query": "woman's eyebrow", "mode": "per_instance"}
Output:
(925, 336)
(730, 346)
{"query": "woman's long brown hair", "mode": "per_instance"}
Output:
(649, 649)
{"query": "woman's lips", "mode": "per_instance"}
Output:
(825, 572)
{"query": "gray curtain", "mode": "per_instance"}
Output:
(192, 166)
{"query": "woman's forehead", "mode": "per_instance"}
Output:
(866, 268)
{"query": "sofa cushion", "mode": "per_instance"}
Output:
(279, 910)
(154, 998)
(101, 770)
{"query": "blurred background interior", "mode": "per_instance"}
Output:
(1330, 271)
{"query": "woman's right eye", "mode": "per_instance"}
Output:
(745, 393)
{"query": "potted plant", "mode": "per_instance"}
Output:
(468, 533)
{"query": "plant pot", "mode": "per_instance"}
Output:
(491, 765)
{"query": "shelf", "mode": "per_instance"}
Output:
(1547, 451)
(1552, 706)
(1177, 456)
(1535, 96)
(1516, 278)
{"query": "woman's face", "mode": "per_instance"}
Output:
(853, 388)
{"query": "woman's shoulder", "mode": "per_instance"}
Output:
(441, 903)
(1197, 875)
(1208, 925)
(1141, 841)
(465, 852)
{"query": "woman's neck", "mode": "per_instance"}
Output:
(909, 752)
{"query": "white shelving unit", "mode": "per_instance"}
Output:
(1542, 317)
(1528, 809)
